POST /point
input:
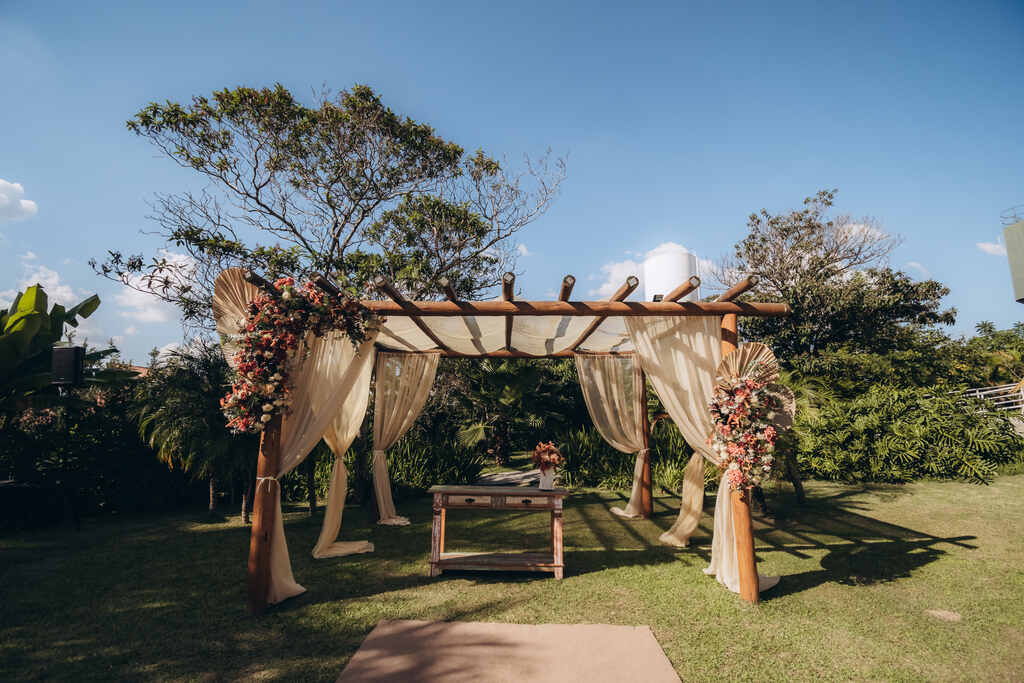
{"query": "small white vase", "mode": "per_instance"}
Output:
(547, 479)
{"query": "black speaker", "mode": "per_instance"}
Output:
(68, 364)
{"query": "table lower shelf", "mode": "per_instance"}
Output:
(498, 562)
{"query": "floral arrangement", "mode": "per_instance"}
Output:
(276, 327)
(744, 437)
(546, 456)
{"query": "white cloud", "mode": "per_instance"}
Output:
(914, 265)
(863, 228)
(130, 330)
(12, 206)
(523, 251)
(145, 307)
(992, 248)
(66, 261)
(615, 273)
(57, 291)
(7, 297)
(28, 256)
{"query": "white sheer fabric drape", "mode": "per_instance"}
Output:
(339, 436)
(321, 382)
(403, 385)
(610, 386)
(323, 375)
(680, 356)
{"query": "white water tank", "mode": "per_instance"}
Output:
(666, 267)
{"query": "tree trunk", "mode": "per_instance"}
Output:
(213, 496)
(311, 482)
(793, 474)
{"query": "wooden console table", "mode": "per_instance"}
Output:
(497, 498)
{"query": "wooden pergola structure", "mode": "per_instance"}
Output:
(724, 307)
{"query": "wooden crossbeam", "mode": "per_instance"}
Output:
(388, 289)
(575, 308)
(501, 353)
(508, 284)
(739, 288)
(683, 289)
(631, 283)
(568, 282)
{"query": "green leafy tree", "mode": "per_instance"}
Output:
(831, 272)
(179, 416)
(346, 188)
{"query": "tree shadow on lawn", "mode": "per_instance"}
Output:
(859, 550)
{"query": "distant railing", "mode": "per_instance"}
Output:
(1002, 397)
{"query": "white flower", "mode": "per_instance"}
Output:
(287, 293)
(265, 419)
(276, 377)
(267, 408)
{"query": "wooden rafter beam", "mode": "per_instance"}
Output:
(682, 290)
(568, 282)
(627, 288)
(396, 298)
(446, 287)
(254, 279)
(739, 288)
(508, 284)
(576, 308)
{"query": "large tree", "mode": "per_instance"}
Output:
(833, 274)
(347, 188)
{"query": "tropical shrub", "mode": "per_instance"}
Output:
(897, 435)
(591, 461)
(416, 465)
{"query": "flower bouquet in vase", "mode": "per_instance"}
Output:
(546, 458)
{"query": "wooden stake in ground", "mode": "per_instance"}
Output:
(264, 515)
(740, 500)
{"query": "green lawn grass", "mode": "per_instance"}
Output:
(164, 598)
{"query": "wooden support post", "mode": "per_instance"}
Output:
(264, 516)
(646, 484)
(740, 501)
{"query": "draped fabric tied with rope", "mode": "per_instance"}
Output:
(326, 373)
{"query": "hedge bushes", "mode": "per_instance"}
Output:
(896, 435)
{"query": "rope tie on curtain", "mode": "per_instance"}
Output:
(260, 480)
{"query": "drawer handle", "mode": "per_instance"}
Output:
(526, 501)
(471, 500)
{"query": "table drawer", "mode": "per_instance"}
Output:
(467, 501)
(528, 501)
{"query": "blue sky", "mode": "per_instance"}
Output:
(679, 119)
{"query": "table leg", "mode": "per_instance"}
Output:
(436, 536)
(556, 539)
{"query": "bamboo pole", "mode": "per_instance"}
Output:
(574, 308)
(740, 500)
(264, 516)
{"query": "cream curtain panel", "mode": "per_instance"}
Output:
(403, 385)
(610, 386)
(724, 563)
(680, 356)
(339, 436)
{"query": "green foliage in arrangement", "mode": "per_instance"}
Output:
(898, 435)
